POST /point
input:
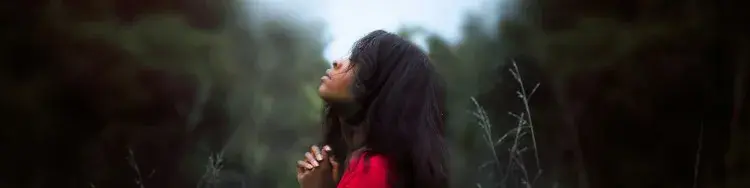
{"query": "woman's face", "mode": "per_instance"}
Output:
(336, 83)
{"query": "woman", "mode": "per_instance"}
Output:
(383, 116)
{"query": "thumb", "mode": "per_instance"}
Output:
(326, 155)
(334, 168)
(334, 163)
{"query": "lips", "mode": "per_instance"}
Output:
(326, 76)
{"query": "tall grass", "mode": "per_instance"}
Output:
(515, 164)
(133, 164)
(210, 178)
(523, 127)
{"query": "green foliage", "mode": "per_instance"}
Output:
(172, 85)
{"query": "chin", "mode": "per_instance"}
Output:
(323, 93)
(327, 97)
(321, 90)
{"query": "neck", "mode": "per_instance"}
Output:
(349, 112)
(354, 135)
(358, 139)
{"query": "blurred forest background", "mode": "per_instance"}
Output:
(211, 93)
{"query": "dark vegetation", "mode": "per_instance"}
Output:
(183, 93)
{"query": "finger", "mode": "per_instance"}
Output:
(304, 165)
(334, 168)
(326, 164)
(300, 169)
(327, 150)
(333, 162)
(311, 159)
(301, 172)
(316, 152)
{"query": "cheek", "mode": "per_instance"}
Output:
(341, 87)
(341, 81)
(337, 88)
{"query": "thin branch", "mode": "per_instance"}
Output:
(696, 167)
(484, 122)
(134, 165)
(533, 91)
(525, 99)
(515, 151)
(213, 168)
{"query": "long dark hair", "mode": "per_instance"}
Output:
(400, 97)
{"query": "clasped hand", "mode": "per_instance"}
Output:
(318, 169)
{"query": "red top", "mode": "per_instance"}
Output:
(362, 173)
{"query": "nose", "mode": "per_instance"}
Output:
(336, 65)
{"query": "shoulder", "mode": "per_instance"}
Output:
(368, 163)
(366, 159)
(378, 162)
(368, 171)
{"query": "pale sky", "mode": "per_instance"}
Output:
(347, 20)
